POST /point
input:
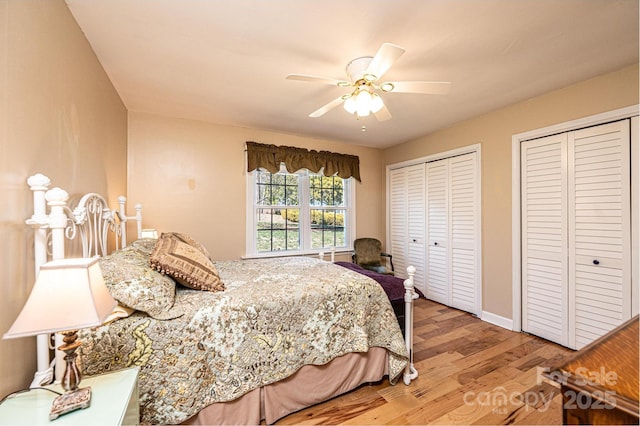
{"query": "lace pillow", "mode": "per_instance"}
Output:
(186, 261)
(134, 284)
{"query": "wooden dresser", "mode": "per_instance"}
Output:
(600, 382)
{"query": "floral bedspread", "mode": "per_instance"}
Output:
(275, 316)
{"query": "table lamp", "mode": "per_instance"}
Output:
(69, 294)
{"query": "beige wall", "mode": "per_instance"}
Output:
(493, 131)
(190, 177)
(60, 116)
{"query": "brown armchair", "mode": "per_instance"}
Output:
(367, 252)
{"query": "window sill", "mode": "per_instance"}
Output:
(314, 253)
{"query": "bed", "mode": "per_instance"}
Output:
(265, 338)
(393, 287)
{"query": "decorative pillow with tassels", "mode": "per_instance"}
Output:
(186, 261)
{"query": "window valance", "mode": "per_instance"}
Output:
(269, 157)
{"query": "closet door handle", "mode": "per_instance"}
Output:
(435, 244)
(596, 262)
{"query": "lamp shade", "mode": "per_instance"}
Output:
(69, 294)
(376, 103)
(350, 105)
(363, 101)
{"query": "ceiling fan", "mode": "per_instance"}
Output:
(365, 85)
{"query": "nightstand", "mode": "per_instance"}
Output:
(114, 401)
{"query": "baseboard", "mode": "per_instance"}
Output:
(497, 320)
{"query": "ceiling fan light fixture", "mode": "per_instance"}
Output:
(350, 105)
(369, 78)
(363, 102)
(363, 98)
(387, 87)
(358, 67)
(364, 113)
(376, 103)
(366, 87)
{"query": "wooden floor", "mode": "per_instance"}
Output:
(470, 372)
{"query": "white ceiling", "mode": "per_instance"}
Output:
(225, 61)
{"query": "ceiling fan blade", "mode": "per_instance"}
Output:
(426, 87)
(383, 114)
(315, 79)
(386, 56)
(326, 108)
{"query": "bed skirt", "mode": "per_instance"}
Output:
(310, 385)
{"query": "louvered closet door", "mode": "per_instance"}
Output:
(576, 234)
(416, 222)
(599, 231)
(438, 231)
(452, 232)
(463, 235)
(544, 238)
(398, 219)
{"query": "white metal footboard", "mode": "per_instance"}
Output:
(410, 372)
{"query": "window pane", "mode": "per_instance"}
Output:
(278, 197)
(326, 191)
(327, 228)
(285, 239)
(291, 179)
(273, 191)
(292, 216)
(327, 197)
(279, 219)
(338, 192)
(278, 229)
(264, 241)
(263, 176)
(283, 194)
(328, 239)
(292, 198)
(278, 179)
(278, 211)
(265, 218)
(278, 241)
(264, 195)
(315, 191)
(339, 238)
(293, 240)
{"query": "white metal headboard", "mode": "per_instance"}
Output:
(92, 220)
(95, 221)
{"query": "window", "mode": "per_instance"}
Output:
(277, 211)
(298, 212)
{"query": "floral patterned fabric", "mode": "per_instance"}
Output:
(134, 284)
(275, 316)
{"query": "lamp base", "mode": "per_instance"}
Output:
(70, 401)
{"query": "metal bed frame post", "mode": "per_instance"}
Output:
(123, 220)
(39, 184)
(56, 198)
(410, 373)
